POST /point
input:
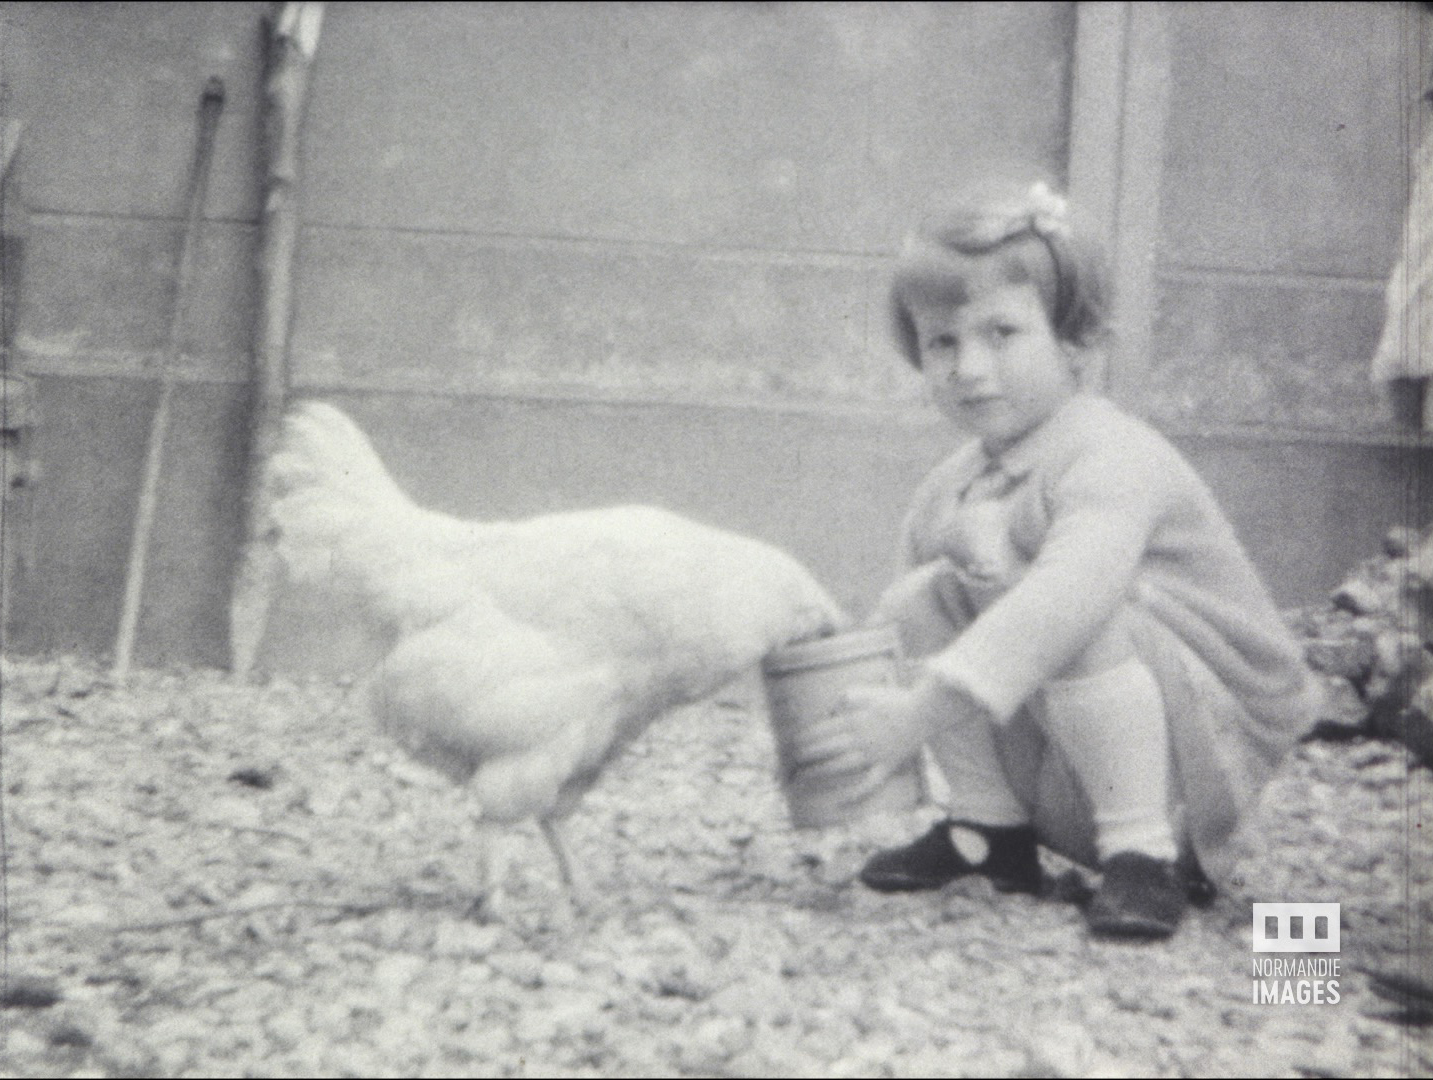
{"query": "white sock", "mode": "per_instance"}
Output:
(1111, 728)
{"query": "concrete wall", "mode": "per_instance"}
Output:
(684, 205)
(1283, 186)
(564, 255)
(689, 199)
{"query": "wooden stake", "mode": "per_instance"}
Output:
(211, 105)
(292, 42)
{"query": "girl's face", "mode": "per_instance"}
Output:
(993, 364)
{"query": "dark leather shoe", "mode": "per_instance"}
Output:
(1139, 898)
(1012, 864)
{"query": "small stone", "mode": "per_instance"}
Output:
(70, 1036)
(523, 968)
(396, 971)
(558, 973)
(20, 1044)
(263, 779)
(1357, 596)
(288, 1029)
(1399, 541)
(465, 939)
(1348, 657)
(29, 992)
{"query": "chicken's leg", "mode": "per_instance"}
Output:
(495, 861)
(579, 891)
(494, 858)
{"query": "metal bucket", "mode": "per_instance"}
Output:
(805, 683)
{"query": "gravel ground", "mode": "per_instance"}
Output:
(204, 878)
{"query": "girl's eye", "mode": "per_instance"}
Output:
(1003, 331)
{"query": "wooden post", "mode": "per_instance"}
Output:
(292, 40)
(1117, 117)
(12, 233)
(17, 470)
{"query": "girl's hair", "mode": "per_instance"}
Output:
(1025, 239)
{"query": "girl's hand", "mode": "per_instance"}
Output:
(876, 730)
(879, 732)
(882, 731)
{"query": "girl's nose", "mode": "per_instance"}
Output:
(974, 367)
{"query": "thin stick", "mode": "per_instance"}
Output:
(293, 40)
(210, 106)
(355, 910)
(404, 900)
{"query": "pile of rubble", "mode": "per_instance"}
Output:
(1375, 639)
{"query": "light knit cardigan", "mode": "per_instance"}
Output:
(1101, 511)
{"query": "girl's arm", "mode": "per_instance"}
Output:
(1102, 512)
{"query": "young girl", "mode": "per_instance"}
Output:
(1103, 672)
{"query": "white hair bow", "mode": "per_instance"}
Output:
(1049, 213)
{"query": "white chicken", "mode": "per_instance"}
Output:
(528, 653)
